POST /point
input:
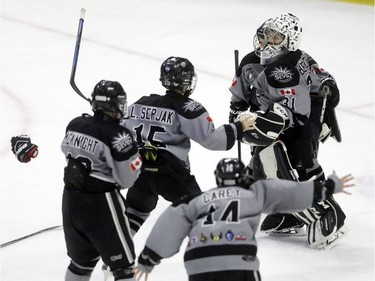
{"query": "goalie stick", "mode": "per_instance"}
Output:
(76, 52)
(235, 73)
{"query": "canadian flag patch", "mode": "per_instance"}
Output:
(290, 91)
(136, 164)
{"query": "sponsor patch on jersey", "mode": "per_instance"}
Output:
(193, 240)
(282, 74)
(229, 235)
(203, 238)
(286, 92)
(216, 236)
(122, 142)
(192, 105)
(241, 236)
(136, 164)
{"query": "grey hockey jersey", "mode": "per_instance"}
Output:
(221, 224)
(170, 121)
(288, 81)
(107, 150)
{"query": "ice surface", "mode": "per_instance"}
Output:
(127, 40)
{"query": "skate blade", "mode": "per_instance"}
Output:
(288, 232)
(339, 234)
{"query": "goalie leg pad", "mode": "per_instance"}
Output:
(308, 216)
(321, 231)
(275, 162)
(325, 232)
(281, 225)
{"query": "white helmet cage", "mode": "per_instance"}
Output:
(267, 39)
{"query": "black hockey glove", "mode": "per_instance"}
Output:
(236, 108)
(334, 97)
(23, 149)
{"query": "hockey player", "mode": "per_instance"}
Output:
(221, 223)
(102, 158)
(163, 126)
(278, 77)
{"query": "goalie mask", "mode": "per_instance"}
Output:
(109, 96)
(178, 74)
(277, 36)
(231, 172)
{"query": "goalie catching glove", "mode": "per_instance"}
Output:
(268, 126)
(23, 149)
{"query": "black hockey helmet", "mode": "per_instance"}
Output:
(178, 73)
(109, 96)
(231, 172)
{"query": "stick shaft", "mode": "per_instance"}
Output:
(236, 63)
(76, 53)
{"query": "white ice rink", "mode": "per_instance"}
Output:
(127, 40)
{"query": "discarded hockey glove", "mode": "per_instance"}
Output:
(23, 149)
(236, 108)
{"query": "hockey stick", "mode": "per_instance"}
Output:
(76, 52)
(235, 72)
(29, 235)
(326, 92)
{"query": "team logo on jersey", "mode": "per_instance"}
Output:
(229, 235)
(234, 82)
(192, 106)
(122, 142)
(282, 74)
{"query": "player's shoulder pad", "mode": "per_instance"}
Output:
(186, 199)
(250, 58)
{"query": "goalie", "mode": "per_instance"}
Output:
(294, 101)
